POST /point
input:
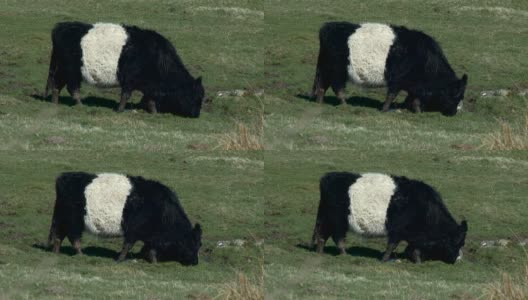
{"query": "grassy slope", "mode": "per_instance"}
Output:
(229, 191)
(38, 141)
(489, 188)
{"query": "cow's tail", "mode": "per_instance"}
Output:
(51, 73)
(53, 228)
(315, 234)
(316, 84)
(318, 221)
(317, 79)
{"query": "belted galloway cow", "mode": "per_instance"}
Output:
(402, 209)
(113, 55)
(138, 209)
(378, 55)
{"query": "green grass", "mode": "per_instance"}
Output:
(306, 139)
(271, 194)
(221, 190)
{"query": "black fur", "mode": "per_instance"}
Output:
(152, 214)
(148, 63)
(416, 214)
(415, 64)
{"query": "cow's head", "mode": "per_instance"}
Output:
(449, 249)
(444, 97)
(184, 249)
(183, 99)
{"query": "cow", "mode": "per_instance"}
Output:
(136, 208)
(373, 204)
(112, 55)
(377, 55)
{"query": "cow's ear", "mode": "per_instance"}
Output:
(463, 226)
(198, 81)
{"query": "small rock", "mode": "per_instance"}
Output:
(487, 244)
(494, 93)
(503, 92)
(258, 93)
(240, 93)
(239, 243)
(523, 92)
(503, 242)
(259, 243)
(523, 243)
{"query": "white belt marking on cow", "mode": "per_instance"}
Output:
(105, 199)
(368, 49)
(369, 199)
(101, 49)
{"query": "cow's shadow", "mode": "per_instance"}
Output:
(90, 251)
(352, 101)
(353, 251)
(90, 101)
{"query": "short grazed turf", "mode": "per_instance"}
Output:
(269, 195)
(306, 139)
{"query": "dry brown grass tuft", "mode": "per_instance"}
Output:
(508, 137)
(510, 287)
(244, 137)
(244, 288)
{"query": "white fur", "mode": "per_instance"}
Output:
(101, 49)
(369, 199)
(105, 199)
(368, 49)
(460, 105)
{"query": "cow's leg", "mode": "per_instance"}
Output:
(151, 106)
(416, 105)
(339, 91)
(152, 256)
(391, 246)
(58, 85)
(391, 95)
(125, 95)
(76, 95)
(77, 246)
(341, 245)
(407, 104)
(322, 236)
(320, 89)
(57, 244)
(417, 256)
(74, 90)
(127, 245)
(57, 241)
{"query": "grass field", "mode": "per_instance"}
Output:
(477, 160)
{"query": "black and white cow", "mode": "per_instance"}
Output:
(110, 55)
(117, 205)
(376, 55)
(402, 209)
